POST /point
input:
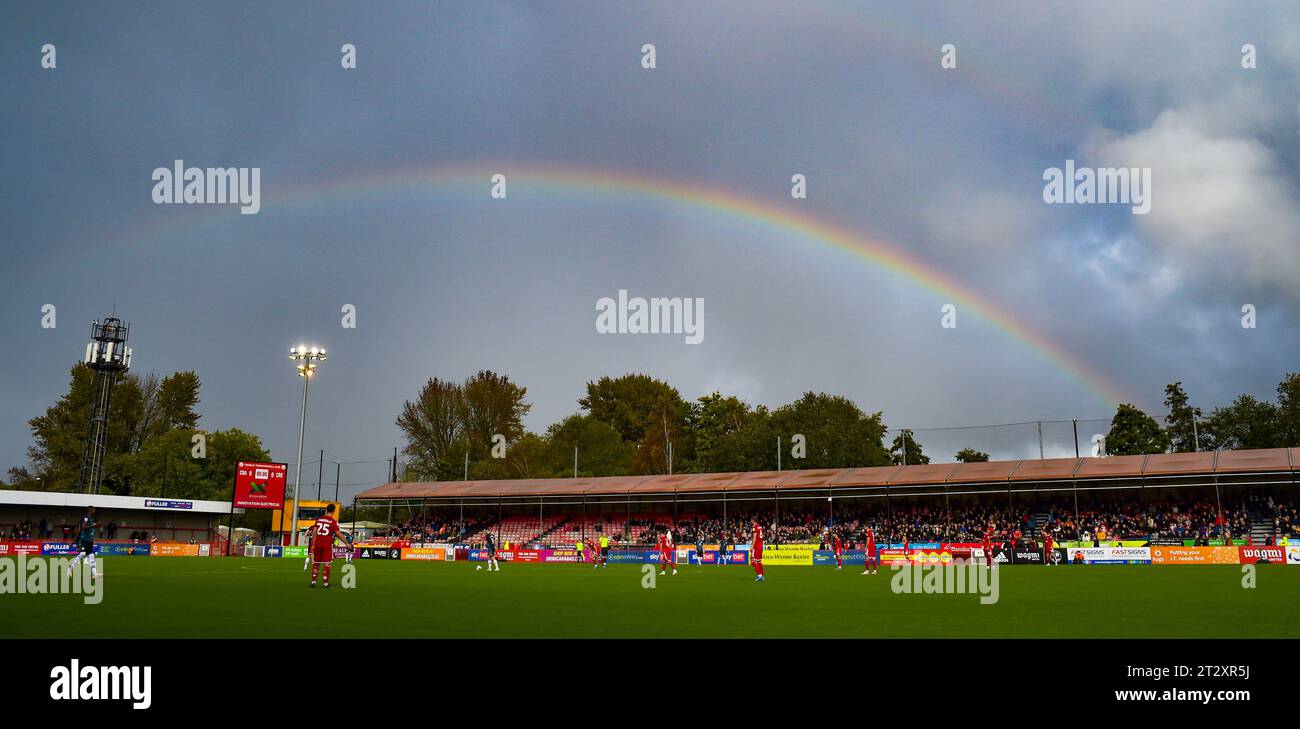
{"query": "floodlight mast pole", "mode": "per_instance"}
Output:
(307, 359)
(297, 479)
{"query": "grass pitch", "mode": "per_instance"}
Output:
(237, 597)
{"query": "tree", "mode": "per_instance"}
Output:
(178, 395)
(1288, 411)
(601, 452)
(970, 455)
(1133, 432)
(163, 467)
(21, 479)
(837, 433)
(151, 421)
(664, 428)
(905, 441)
(1246, 423)
(1180, 423)
(59, 435)
(149, 449)
(527, 457)
(629, 404)
(493, 406)
(719, 425)
(432, 424)
(646, 413)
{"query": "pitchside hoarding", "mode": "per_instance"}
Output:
(131, 549)
(734, 556)
(260, 485)
(1262, 555)
(15, 548)
(1195, 555)
(788, 554)
(426, 554)
(528, 555)
(823, 557)
(173, 549)
(1110, 555)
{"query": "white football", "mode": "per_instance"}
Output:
(478, 567)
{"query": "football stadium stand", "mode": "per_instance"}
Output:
(1202, 496)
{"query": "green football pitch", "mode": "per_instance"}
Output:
(196, 597)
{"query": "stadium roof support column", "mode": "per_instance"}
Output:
(1218, 502)
(947, 511)
(776, 528)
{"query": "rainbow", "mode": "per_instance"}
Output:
(590, 185)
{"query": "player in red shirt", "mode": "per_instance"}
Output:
(323, 533)
(838, 546)
(872, 562)
(1047, 546)
(988, 547)
(672, 551)
(665, 554)
(756, 551)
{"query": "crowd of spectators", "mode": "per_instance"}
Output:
(956, 520)
(21, 532)
(966, 521)
(1285, 515)
(1197, 520)
(435, 527)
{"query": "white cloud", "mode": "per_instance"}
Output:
(1220, 203)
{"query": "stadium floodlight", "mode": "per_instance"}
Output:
(306, 359)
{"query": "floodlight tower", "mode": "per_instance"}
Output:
(109, 358)
(306, 357)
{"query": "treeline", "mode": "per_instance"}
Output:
(151, 449)
(634, 424)
(1245, 423)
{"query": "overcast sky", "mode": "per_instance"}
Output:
(944, 164)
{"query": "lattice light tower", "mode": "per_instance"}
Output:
(108, 357)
